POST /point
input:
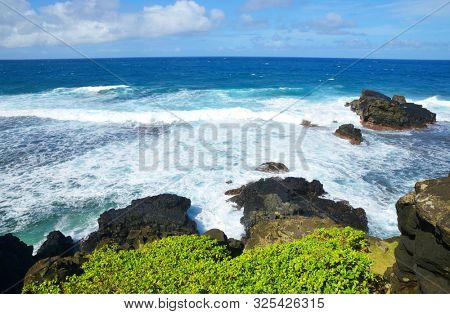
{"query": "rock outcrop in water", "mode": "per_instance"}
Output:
(276, 198)
(350, 133)
(423, 254)
(378, 111)
(15, 259)
(144, 220)
(272, 167)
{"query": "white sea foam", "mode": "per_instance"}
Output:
(320, 113)
(96, 89)
(112, 170)
(440, 106)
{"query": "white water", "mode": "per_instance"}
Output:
(368, 176)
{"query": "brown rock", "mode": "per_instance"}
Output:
(273, 167)
(350, 133)
(284, 230)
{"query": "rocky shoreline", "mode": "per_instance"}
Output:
(275, 210)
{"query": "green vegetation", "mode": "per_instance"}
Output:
(327, 261)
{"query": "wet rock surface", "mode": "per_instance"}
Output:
(276, 198)
(350, 133)
(378, 111)
(272, 167)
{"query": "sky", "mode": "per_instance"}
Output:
(175, 28)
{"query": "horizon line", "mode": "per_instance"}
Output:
(216, 57)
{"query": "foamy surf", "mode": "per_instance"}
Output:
(105, 173)
(92, 89)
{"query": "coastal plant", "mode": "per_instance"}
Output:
(327, 261)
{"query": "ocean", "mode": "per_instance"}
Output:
(71, 148)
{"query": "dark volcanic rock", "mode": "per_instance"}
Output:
(55, 268)
(378, 111)
(56, 244)
(218, 235)
(15, 259)
(349, 132)
(276, 198)
(233, 192)
(145, 220)
(273, 167)
(235, 247)
(423, 254)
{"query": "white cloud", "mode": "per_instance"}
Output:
(330, 24)
(96, 21)
(248, 21)
(255, 5)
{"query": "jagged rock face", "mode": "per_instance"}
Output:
(56, 244)
(145, 220)
(350, 133)
(15, 259)
(423, 255)
(276, 198)
(378, 111)
(55, 268)
(273, 167)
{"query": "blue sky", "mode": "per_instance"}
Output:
(294, 28)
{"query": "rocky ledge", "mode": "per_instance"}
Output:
(276, 198)
(380, 112)
(350, 133)
(423, 254)
(144, 220)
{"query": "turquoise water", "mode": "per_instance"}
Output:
(70, 134)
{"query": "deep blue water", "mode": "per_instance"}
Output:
(69, 146)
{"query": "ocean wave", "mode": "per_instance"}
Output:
(148, 117)
(88, 89)
(440, 106)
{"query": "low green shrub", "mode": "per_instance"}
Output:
(327, 261)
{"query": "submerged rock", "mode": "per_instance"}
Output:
(273, 167)
(378, 111)
(56, 245)
(350, 133)
(15, 259)
(308, 124)
(423, 254)
(276, 198)
(145, 220)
